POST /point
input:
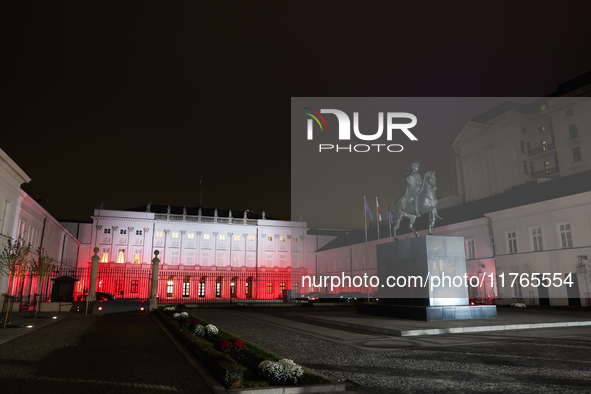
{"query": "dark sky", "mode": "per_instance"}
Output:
(131, 102)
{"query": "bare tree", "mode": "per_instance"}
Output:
(14, 260)
(42, 270)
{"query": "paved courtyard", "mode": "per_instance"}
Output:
(119, 353)
(129, 353)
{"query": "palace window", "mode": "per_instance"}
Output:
(544, 146)
(186, 286)
(247, 287)
(190, 235)
(189, 260)
(522, 147)
(511, 242)
(528, 147)
(107, 231)
(470, 250)
(269, 287)
(202, 287)
(282, 261)
(577, 154)
(565, 235)
(536, 235)
(170, 287)
(105, 255)
(175, 235)
(282, 239)
(118, 287)
(235, 259)
(205, 236)
(122, 232)
(281, 287)
(574, 133)
(218, 287)
(531, 167)
(174, 257)
(222, 237)
(250, 259)
(237, 238)
(205, 258)
(547, 166)
(294, 240)
(251, 238)
(134, 286)
(137, 256)
(138, 232)
(159, 234)
(541, 129)
(525, 167)
(269, 238)
(120, 256)
(221, 259)
(569, 112)
(233, 284)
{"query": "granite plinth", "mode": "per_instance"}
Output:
(430, 313)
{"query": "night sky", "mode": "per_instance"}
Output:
(131, 102)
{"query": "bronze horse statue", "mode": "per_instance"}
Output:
(427, 200)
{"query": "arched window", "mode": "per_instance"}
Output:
(218, 287)
(233, 285)
(248, 287)
(574, 133)
(170, 286)
(544, 146)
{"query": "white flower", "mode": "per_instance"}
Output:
(210, 329)
(199, 330)
(176, 316)
(518, 305)
(282, 371)
(169, 308)
(184, 315)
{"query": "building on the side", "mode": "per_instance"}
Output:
(11, 179)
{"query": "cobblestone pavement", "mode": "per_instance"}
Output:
(118, 353)
(518, 361)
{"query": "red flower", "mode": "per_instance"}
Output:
(194, 320)
(237, 343)
(222, 345)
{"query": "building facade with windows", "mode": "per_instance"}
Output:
(11, 179)
(204, 255)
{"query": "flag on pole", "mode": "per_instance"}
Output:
(390, 212)
(367, 209)
(379, 213)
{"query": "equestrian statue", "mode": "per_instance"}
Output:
(419, 198)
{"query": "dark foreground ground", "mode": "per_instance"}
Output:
(129, 353)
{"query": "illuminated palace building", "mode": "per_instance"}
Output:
(205, 255)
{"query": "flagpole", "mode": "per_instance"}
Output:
(365, 218)
(390, 219)
(378, 218)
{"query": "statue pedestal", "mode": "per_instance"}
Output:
(425, 278)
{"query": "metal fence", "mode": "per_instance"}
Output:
(173, 286)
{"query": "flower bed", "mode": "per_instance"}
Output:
(233, 362)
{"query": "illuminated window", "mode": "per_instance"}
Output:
(202, 287)
(269, 238)
(122, 232)
(205, 236)
(281, 287)
(107, 231)
(565, 235)
(105, 255)
(222, 237)
(282, 239)
(190, 235)
(511, 242)
(247, 287)
(544, 146)
(138, 232)
(118, 287)
(137, 256)
(251, 238)
(218, 287)
(175, 235)
(237, 238)
(536, 234)
(269, 287)
(294, 240)
(541, 129)
(577, 154)
(186, 286)
(134, 286)
(159, 234)
(170, 286)
(120, 256)
(547, 167)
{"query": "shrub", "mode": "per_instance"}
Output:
(282, 372)
(199, 330)
(210, 329)
(237, 344)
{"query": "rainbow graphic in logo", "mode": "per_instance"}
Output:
(315, 118)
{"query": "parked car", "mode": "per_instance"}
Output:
(100, 296)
